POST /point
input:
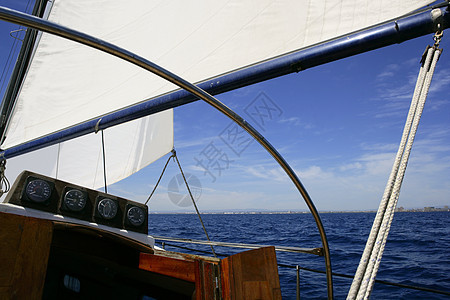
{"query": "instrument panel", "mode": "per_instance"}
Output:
(58, 197)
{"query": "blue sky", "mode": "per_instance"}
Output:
(337, 125)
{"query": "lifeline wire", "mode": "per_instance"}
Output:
(281, 265)
(367, 269)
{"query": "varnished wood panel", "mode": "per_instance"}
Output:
(11, 227)
(256, 290)
(31, 263)
(202, 272)
(205, 284)
(4, 292)
(251, 275)
(30, 255)
(226, 278)
(177, 268)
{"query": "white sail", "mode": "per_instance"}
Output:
(128, 148)
(68, 83)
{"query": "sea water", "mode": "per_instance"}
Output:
(416, 253)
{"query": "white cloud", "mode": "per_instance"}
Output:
(291, 121)
(315, 172)
(379, 147)
(198, 142)
(441, 81)
(270, 173)
(388, 72)
(351, 166)
(436, 105)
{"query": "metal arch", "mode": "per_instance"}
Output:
(49, 27)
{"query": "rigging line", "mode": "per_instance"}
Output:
(16, 31)
(97, 128)
(162, 173)
(57, 160)
(369, 267)
(28, 5)
(193, 201)
(363, 264)
(314, 251)
(395, 194)
(366, 286)
(11, 51)
(8, 64)
(384, 282)
(104, 162)
(192, 249)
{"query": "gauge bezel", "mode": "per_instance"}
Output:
(69, 205)
(27, 197)
(143, 227)
(130, 220)
(102, 213)
(41, 185)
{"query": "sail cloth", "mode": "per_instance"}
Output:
(128, 147)
(68, 83)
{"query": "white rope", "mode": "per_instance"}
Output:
(381, 210)
(368, 267)
(395, 194)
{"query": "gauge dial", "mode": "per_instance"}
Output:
(136, 216)
(107, 208)
(75, 200)
(38, 190)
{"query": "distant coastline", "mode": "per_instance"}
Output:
(425, 209)
(253, 211)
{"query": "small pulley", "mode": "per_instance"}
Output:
(4, 182)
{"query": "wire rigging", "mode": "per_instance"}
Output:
(8, 64)
(12, 51)
(157, 183)
(174, 155)
(104, 162)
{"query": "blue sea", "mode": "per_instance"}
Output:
(417, 251)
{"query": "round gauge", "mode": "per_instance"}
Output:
(75, 200)
(107, 208)
(136, 216)
(38, 190)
